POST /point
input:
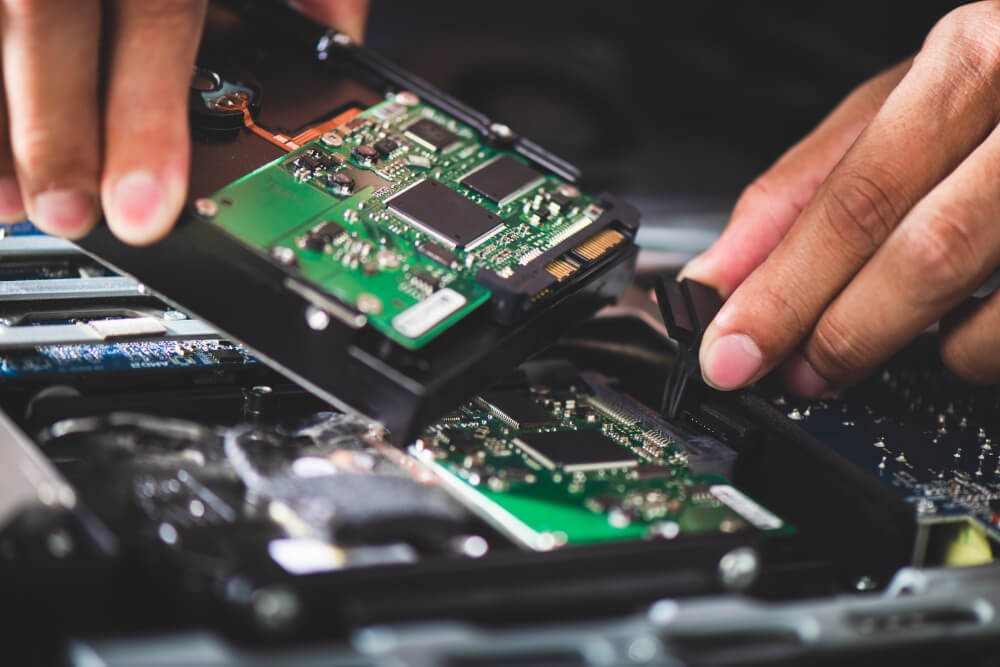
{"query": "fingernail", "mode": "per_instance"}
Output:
(803, 379)
(732, 362)
(63, 211)
(137, 199)
(11, 202)
(694, 269)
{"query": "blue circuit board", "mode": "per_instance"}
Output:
(125, 356)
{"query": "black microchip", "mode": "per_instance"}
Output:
(428, 279)
(445, 214)
(225, 355)
(304, 162)
(501, 178)
(574, 451)
(323, 159)
(441, 255)
(385, 147)
(431, 135)
(329, 231)
(517, 409)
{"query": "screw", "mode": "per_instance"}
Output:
(738, 568)
(206, 207)
(501, 131)
(568, 190)
(406, 98)
(332, 139)
(317, 318)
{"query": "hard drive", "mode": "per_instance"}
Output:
(382, 244)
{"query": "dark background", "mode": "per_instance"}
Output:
(675, 105)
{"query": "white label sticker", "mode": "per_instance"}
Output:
(746, 507)
(127, 326)
(420, 318)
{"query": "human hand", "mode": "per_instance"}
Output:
(882, 221)
(69, 67)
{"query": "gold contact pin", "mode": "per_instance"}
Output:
(560, 269)
(598, 244)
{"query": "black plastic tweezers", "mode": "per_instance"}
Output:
(687, 308)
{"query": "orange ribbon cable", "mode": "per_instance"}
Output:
(290, 143)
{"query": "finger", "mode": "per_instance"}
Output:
(147, 141)
(937, 114)
(11, 202)
(769, 206)
(50, 64)
(347, 16)
(942, 251)
(969, 340)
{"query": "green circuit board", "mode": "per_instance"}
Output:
(551, 468)
(397, 211)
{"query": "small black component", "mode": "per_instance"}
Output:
(356, 124)
(365, 155)
(437, 253)
(329, 231)
(517, 409)
(573, 451)
(385, 147)
(305, 162)
(226, 355)
(516, 473)
(560, 201)
(650, 471)
(503, 177)
(445, 214)
(432, 136)
(428, 279)
(341, 183)
(323, 159)
(314, 241)
(995, 505)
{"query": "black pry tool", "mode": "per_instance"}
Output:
(687, 307)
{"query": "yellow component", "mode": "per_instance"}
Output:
(599, 243)
(969, 546)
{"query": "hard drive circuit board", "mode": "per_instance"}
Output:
(404, 214)
(552, 467)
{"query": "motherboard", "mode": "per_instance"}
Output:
(921, 432)
(406, 215)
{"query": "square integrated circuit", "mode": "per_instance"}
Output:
(503, 179)
(432, 136)
(445, 214)
(517, 409)
(575, 451)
